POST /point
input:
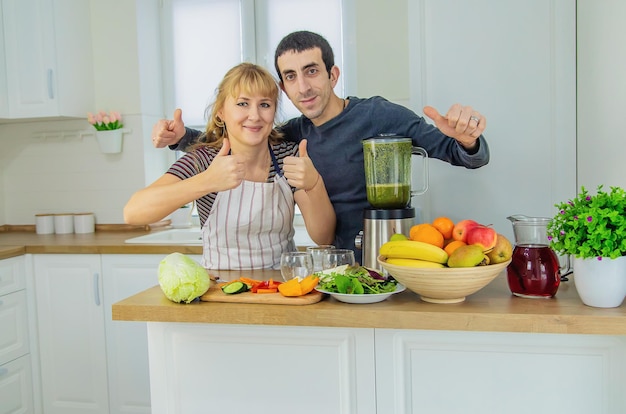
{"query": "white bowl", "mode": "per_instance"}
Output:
(444, 285)
(362, 298)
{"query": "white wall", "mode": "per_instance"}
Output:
(601, 93)
(483, 54)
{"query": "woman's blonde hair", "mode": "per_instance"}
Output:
(246, 78)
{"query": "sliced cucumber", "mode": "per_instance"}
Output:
(234, 287)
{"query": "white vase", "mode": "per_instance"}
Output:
(110, 142)
(600, 283)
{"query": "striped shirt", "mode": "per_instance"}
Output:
(198, 160)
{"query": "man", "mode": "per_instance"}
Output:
(334, 128)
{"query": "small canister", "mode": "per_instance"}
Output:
(84, 223)
(64, 223)
(44, 223)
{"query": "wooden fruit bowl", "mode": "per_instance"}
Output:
(444, 285)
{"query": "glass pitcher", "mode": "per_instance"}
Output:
(387, 162)
(534, 271)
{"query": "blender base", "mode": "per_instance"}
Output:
(378, 226)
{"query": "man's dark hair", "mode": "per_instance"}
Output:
(301, 41)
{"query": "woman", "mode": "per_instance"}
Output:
(245, 204)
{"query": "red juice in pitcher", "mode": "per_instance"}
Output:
(534, 271)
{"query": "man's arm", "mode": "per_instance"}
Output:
(191, 138)
(173, 133)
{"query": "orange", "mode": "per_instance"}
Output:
(414, 230)
(444, 225)
(426, 233)
(453, 245)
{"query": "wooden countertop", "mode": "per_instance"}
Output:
(100, 242)
(491, 309)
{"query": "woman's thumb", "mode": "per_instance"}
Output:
(225, 148)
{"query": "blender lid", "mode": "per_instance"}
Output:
(388, 214)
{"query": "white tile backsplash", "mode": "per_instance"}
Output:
(64, 172)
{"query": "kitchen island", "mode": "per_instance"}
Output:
(402, 355)
(493, 353)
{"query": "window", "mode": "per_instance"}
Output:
(202, 39)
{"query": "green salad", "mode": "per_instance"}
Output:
(356, 280)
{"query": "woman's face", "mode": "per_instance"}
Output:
(249, 118)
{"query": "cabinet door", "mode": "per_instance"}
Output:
(14, 340)
(494, 372)
(127, 345)
(16, 395)
(241, 369)
(72, 348)
(48, 59)
(12, 273)
(29, 48)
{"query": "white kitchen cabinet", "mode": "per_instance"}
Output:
(201, 368)
(47, 68)
(125, 275)
(70, 316)
(16, 385)
(493, 372)
(90, 363)
(358, 370)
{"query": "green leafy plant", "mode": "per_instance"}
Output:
(591, 225)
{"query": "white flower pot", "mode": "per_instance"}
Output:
(110, 142)
(600, 283)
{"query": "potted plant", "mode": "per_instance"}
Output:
(591, 229)
(108, 130)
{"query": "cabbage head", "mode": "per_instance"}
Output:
(182, 279)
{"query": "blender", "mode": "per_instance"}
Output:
(387, 162)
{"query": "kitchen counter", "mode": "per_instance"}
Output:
(374, 358)
(491, 309)
(399, 355)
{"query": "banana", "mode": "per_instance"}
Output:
(410, 249)
(413, 263)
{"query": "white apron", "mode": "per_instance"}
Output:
(250, 226)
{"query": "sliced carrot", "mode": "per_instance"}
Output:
(249, 281)
(267, 290)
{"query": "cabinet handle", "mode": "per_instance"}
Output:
(96, 289)
(3, 371)
(50, 90)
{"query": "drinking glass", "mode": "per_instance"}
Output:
(337, 257)
(295, 264)
(317, 253)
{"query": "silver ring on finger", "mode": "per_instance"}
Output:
(475, 118)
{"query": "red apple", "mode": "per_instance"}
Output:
(484, 236)
(460, 230)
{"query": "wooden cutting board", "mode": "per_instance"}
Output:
(215, 294)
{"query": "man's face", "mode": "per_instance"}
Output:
(307, 83)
